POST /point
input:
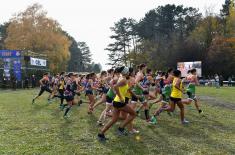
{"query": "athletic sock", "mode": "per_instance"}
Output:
(160, 111)
(101, 135)
(146, 112)
(121, 129)
(66, 111)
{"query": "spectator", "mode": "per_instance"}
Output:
(221, 80)
(13, 81)
(217, 81)
(33, 80)
(230, 81)
(26, 82)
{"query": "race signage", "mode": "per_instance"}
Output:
(9, 54)
(38, 62)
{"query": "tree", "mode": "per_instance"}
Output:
(120, 48)
(230, 21)
(33, 30)
(3, 34)
(75, 61)
(225, 8)
(222, 51)
(221, 57)
(164, 31)
(86, 55)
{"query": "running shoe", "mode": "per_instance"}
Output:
(200, 111)
(33, 101)
(89, 113)
(80, 102)
(102, 138)
(100, 123)
(148, 120)
(66, 116)
(153, 120)
(134, 131)
(185, 121)
(122, 132)
(49, 101)
(62, 107)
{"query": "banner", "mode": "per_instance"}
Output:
(17, 69)
(7, 67)
(38, 62)
(184, 67)
(9, 54)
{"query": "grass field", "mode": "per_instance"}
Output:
(41, 129)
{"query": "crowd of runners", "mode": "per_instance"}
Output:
(125, 92)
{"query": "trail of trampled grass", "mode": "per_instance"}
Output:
(226, 94)
(41, 129)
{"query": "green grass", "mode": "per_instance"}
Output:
(41, 129)
(224, 93)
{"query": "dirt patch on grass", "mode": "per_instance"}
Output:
(216, 102)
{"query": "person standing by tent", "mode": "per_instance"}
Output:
(217, 81)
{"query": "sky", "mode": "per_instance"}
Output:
(90, 20)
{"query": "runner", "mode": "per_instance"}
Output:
(140, 91)
(44, 86)
(69, 93)
(120, 104)
(130, 93)
(164, 99)
(103, 87)
(78, 89)
(89, 87)
(191, 89)
(61, 89)
(176, 96)
(109, 98)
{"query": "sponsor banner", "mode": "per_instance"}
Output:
(184, 67)
(10, 54)
(17, 69)
(38, 62)
(7, 67)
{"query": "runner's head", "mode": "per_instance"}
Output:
(149, 71)
(103, 74)
(92, 76)
(117, 71)
(45, 74)
(62, 73)
(170, 71)
(71, 75)
(110, 71)
(124, 71)
(177, 73)
(76, 75)
(189, 71)
(142, 67)
(194, 71)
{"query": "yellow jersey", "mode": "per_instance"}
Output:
(128, 94)
(123, 92)
(61, 85)
(176, 93)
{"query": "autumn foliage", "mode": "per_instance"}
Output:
(33, 30)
